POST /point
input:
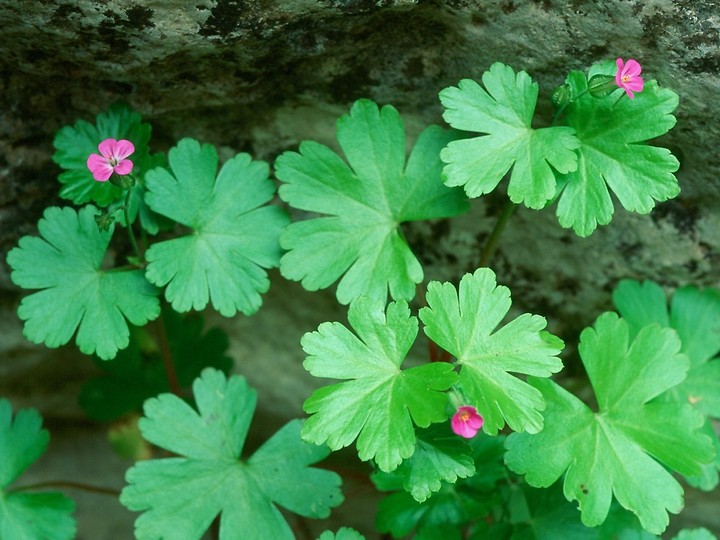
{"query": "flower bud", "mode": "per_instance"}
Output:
(104, 220)
(601, 85)
(123, 182)
(562, 96)
(466, 422)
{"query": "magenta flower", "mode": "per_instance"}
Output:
(628, 77)
(112, 159)
(466, 422)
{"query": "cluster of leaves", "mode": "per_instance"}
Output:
(624, 448)
(600, 148)
(653, 373)
(379, 402)
(491, 503)
(83, 284)
(695, 315)
(181, 496)
(655, 381)
(73, 145)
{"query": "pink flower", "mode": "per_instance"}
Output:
(466, 422)
(628, 77)
(112, 159)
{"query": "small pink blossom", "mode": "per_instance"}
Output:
(466, 422)
(628, 77)
(112, 159)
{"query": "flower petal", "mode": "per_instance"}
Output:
(464, 430)
(619, 74)
(636, 84)
(103, 173)
(632, 68)
(124, 167)
(475, 422)
(123, 149)
(107, 148)
(95, 161)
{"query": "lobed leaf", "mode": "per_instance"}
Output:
(74, 144)
(695, 315)
(25, 515)
(181, 496)
(611, 452)
(612, 154)
(378, 403)
(439, 456)
(503, 112)
(76, 292)
(362, 203)
(464, 323)
(234, 234)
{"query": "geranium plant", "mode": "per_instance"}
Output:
(481, 439)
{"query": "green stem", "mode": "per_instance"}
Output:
(494, 237)
(572, 100)
(558, 113)
(67, 484)
(131, 233)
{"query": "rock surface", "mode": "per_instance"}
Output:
(262, 75)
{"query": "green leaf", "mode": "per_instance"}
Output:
(363, 205)
(503, 111)
(138, 373)
(612, 154)
(74, 144)
(700, 533)
(77, 293)
(708, 478)
(611, 452)
(24, 515)
(234, 234)
(464, 324)
(344, 533)
(695, 314)
(641, 304)
(545, 514)
(439, 456)
(180, 496)
(442, 516)
(399, 514)
(379, 402)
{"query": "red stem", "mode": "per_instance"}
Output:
(167, 358)
(67, 484)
